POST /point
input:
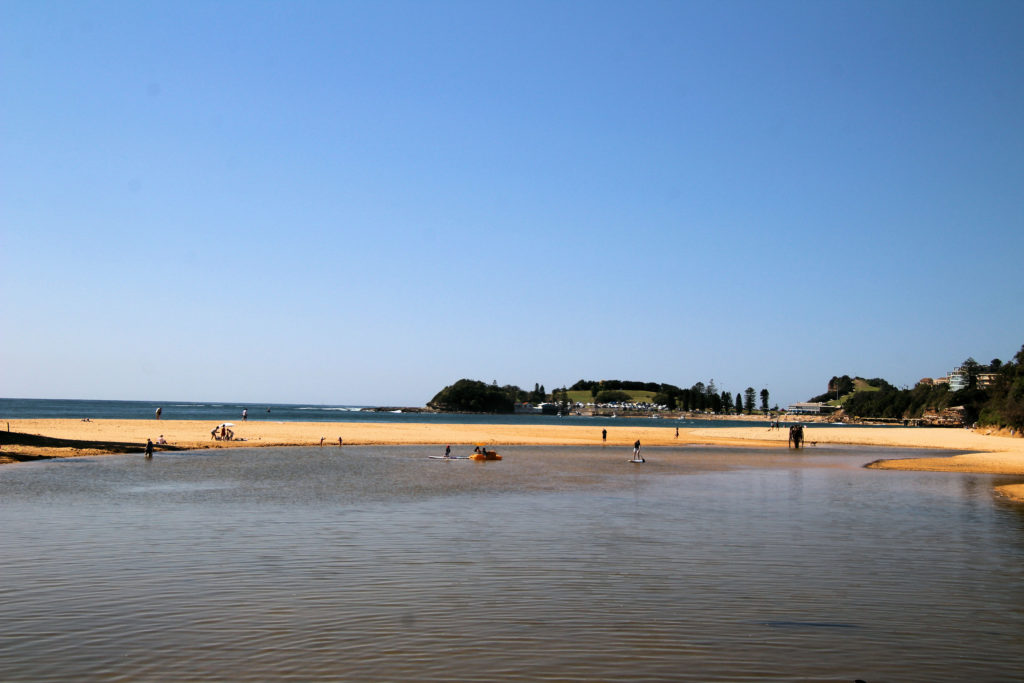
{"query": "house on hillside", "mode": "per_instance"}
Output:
(958, 379)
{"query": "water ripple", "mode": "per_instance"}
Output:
(377, 564)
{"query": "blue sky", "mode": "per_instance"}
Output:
(361, 202)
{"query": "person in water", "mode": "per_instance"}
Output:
(149, 448)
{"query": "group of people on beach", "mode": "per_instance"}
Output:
(222, 433)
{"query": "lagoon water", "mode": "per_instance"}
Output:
(570, 564)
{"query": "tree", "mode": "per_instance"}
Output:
(726, 402)
(739, 404)
(613, 396)
(748, 399)
(764, 400)
(665, 398)
(837, 388)
(971, 368)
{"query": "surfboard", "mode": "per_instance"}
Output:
(636, 461)
(451, 457)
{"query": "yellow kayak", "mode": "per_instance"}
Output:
(485, 455)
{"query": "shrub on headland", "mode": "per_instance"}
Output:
(613, 396)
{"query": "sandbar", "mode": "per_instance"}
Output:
(987, 453)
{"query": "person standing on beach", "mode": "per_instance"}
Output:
(604, 435)
(158, 411)
(149, 448)
(245, 414)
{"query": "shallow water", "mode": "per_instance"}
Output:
(376, 563)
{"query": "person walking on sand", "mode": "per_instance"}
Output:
(340, 442)
(677, 432)
(158, 411)
(149, 448)
(245, 414)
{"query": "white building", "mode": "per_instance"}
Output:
(810, 408)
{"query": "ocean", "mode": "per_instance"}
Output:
(35, 408)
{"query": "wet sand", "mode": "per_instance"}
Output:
(990, 454)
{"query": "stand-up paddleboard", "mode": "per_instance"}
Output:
(636, 461)
(450, 457)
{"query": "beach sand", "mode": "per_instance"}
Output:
(988, 453)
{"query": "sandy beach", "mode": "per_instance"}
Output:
(988, 453)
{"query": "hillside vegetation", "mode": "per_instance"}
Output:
(1001, 404)
(468, 395)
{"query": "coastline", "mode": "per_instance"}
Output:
(987, 453)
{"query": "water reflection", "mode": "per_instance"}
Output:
(379, 564)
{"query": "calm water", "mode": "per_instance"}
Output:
(569, 564)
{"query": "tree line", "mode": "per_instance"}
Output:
(468, 395)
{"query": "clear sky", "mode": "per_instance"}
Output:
(362, 202)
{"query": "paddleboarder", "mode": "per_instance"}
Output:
(636, 452)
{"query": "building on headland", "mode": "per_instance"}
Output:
(987, 379)
(958, 379)
(810, 409)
